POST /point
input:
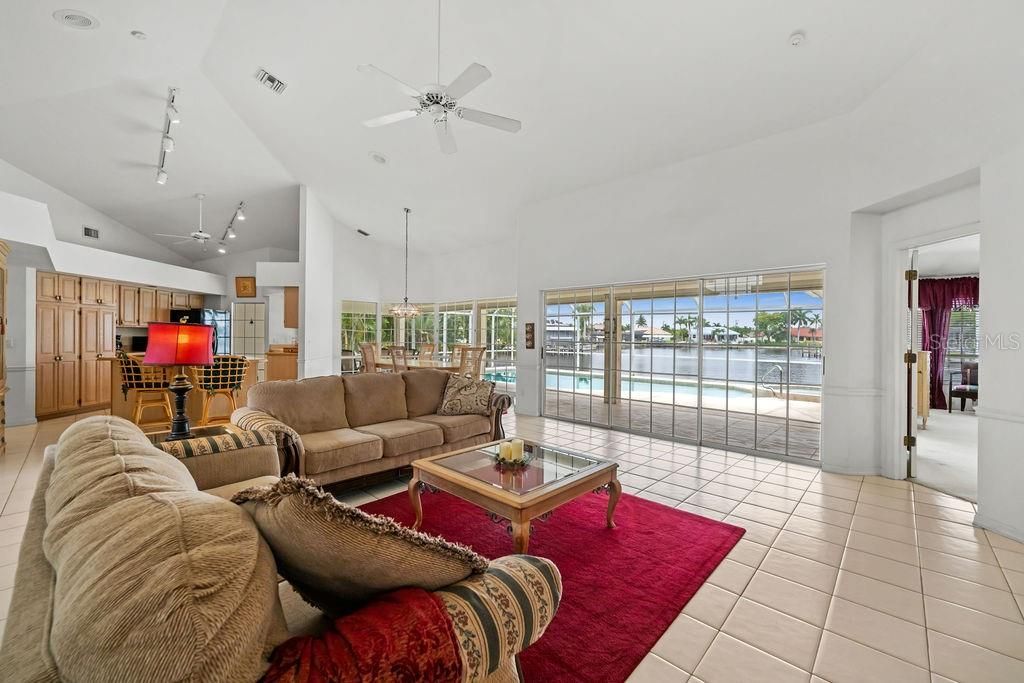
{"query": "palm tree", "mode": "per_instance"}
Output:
(799, 317)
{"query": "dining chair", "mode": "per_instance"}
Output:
(369, 353)
(470, 361)
(426, 351)
(399, 355)
(457, 350)
(223, 378)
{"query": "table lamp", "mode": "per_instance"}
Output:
(179, 344)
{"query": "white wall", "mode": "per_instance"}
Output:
(68, 215)
(318, 347)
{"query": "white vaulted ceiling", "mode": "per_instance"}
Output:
(603, 88)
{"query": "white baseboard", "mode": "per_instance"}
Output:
(1008, 530)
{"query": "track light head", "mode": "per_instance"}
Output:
(167, 143)
(172, 114)
(231, 234)
(161, 176)
(241, 213)
(222, 248)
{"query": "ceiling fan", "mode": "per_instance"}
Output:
(198, 236)
(438, 101)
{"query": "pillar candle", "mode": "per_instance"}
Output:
(505, 451)
(517, 450)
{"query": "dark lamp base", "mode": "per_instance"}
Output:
(180, 428)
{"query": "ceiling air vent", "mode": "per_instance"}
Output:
(73, 18)
(91, 233)
(271, 81)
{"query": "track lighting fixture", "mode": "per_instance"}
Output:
(222, 248)
(238, 215)
(171, 116)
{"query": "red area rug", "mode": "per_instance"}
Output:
(622, 587)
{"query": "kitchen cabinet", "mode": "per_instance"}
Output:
(129, 306)
(195, 300)
(57, 287)
(97, 345)
(291, 308)
(147, 305)
(163, 306)
(57, 357)
(179, 300)
(96, 292)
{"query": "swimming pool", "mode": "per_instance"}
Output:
(639, 388)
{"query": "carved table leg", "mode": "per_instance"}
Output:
(614, 493)
(521, 536)
(414, 497)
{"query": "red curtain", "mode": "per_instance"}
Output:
(937, 297)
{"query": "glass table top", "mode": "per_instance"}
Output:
(547, 466)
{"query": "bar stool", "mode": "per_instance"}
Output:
(223, 378)
(149, 382)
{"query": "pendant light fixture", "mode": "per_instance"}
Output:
(405, 309)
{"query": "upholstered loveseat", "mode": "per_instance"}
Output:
(129, 572)
(334, 428)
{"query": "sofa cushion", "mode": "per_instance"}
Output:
(228, 490)
(423, 390)
(458, 427)
(153, 579)
(337, 556)
(405, 436)
(466, 396)
(315, 404)
(326, 451)
(374, 397)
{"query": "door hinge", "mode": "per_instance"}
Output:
(909, 357)
(910, 275)
(909, 441)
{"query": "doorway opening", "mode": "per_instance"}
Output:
(943, 341)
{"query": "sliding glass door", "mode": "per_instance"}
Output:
(729, 361)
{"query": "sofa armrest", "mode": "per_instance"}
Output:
(500, 403)
(228, 459)
(291, 455)
(516, 598)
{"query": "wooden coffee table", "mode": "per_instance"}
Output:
(554, 476)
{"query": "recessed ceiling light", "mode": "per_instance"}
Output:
(73, 18)
(378, 157)
(797, 39)
(139, 35)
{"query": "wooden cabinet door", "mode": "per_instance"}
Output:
(46, 286)
(179, 300)
(108, 293)
(147, 305)
(91, 343)
(68, 289)
(46, 357)
(68, 348)
(291, 307)
(90, 291)
(163, 306)
(129, 306)
(196, 300)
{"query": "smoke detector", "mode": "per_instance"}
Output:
(73, 18)
(797, 39)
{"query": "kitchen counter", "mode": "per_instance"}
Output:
(220, 409)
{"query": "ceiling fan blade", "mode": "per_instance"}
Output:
(492, 120)
(188, 241)
(164, 234)
(444, 137)
(391, 118)
(402, 85)
(474, 75)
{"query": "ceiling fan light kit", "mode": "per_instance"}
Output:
(440, 101)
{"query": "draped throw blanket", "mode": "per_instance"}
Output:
(937, 297)
(404, 636)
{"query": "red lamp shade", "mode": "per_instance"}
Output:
(179, 344)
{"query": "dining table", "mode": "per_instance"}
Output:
(388, 363)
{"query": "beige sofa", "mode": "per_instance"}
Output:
(128, 571)
(335, 428)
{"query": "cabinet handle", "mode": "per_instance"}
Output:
(99, 355)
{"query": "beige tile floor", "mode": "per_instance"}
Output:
(838, 578)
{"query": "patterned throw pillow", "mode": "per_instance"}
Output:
(466, 396)
(337, 557)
